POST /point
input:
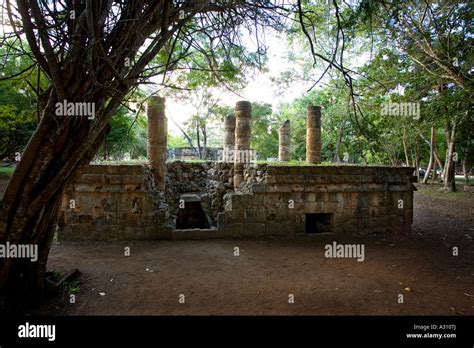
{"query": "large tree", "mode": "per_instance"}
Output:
(436, 36)
(96, 52)
(419, 51)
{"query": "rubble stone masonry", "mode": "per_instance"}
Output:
(120, 202)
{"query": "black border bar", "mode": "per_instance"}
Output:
(194, 330)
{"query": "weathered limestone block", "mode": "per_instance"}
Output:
(310, 197)
(284, 149)
(237, 229)
(255, 229)
(105, 210)
(157, 139)
(242, 140)
(313, 134)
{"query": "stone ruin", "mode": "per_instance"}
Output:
(236, 198)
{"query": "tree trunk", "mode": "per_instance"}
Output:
(449, 181)
(204, 137)
(105, 151)
(405, 150)
(440, 164)
(464, 169)
(58, 149)
(417, 164)
(430, 165)
(338, 143)
(198, 139)
(443, 171)
(188, 138)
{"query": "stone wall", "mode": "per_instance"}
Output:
(114, 203)
(211, 181)
(121, 202)
(353, 199)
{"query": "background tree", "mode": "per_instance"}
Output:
(417, 52)
(436, 38)
(265, 125)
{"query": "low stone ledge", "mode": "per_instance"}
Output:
(104, 169)
(197, 234)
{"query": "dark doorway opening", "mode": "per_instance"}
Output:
(191, 216)
(319, 223)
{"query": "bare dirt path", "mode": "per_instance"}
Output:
(260, 280)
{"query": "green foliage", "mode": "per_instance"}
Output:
(175, 141)
(18, 115)
(265, 127)
(420, 52)
(56, 276)
(16, 127)
(127, 135)
(6, 172)
(73, 287)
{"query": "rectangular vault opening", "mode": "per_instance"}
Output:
(319, 223)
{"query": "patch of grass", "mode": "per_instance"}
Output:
(56, 276)
(73, 287)
(323, 164)
(435, 191)
(137, 161)
(7, 171)
(289, 163)
(196, 161)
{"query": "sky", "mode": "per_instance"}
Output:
(260, 88)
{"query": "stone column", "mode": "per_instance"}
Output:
(229, 136)
(157, 139)
(242, 140)
(284, 153)
(313, 134)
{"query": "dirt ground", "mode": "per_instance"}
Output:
(260, 280)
